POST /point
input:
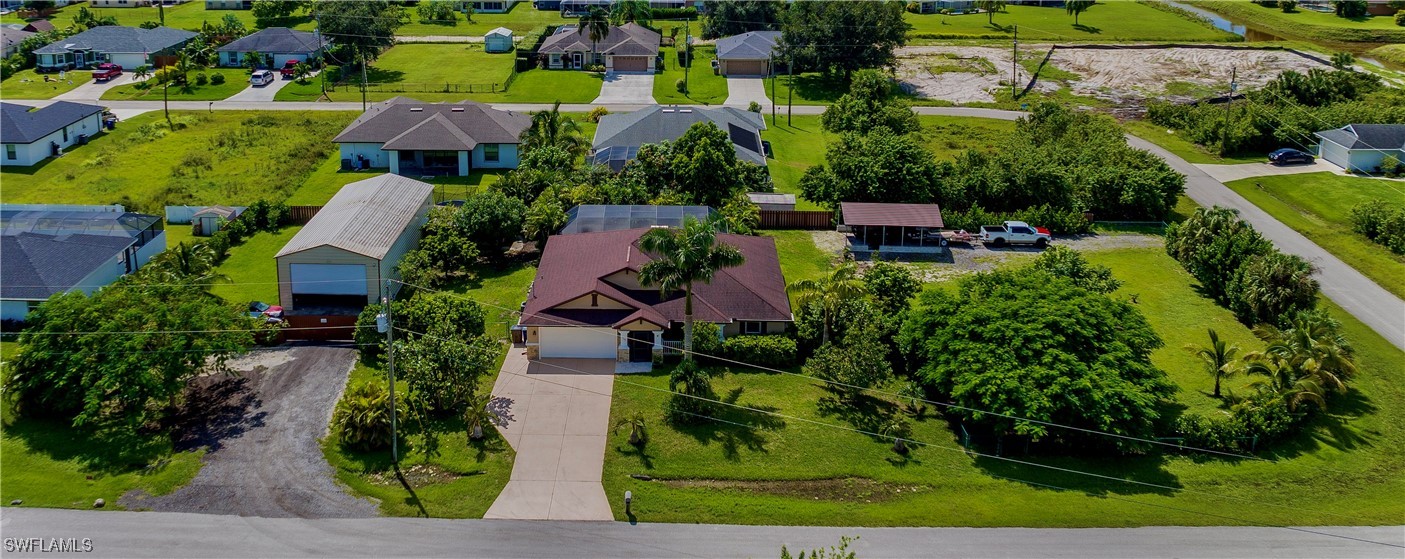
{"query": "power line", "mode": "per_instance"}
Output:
(32, 333)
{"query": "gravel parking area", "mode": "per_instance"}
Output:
(261, 431)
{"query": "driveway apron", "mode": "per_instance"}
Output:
(92, 91)
(1226, 173)
(264, 93)
(556, 414)
(741, 92)
(626, 89)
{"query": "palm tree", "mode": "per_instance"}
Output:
(1075, 7)
(597, 23)
(830, 292)
(682, 257)
(899, 428)
(635, 423)
(1306, 362)
(142, 72)
(552, 129)
(477, 415)
(1218, 358)
(913, 393)
(626, 11)
(193, 264)
(184, 65)
(990, 7)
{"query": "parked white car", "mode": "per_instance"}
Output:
(261, 77)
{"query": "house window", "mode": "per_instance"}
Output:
(753, 327)
(490, 152)
(11, 153)
(65, 133)
(594, 300)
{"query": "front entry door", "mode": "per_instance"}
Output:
(576, 59)
(641, 346)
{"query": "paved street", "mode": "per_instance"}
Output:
(557, 420)
(192, 536)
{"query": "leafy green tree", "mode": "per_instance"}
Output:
(442, 368)
(595, 23)
(1077, 7)
(425, 312)
(734, 17)
(1069, 263)
(1351, 8)
(870, 103)
(811, 320)
(438, 12)
(361, 30)
(1270, 288)
(123, 355)
(820, 35)
(842, 284)
(858, 363)
(492, 220)
(271, 13)
(86, 20)
(705, 166)
(362, 417)
(1212, 244)
(892, 285)
(990, 7)
(631, 11)
(1343, 61)
(446, 250)
(1218, 358)
(880, 166)
(553, 129)
(682, 257)
(1010, 339)
(545, 217)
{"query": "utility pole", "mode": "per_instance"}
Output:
(771, 65)
(1228, 101)
(363, 83)
(1015, 62)
(790, 88)
(161, 11)
(390, 367)
(166, 102)
(687, 54)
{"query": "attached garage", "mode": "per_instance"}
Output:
(734, 68)
(577, 343)
(630, 63)
(339, 262)
(129, 61)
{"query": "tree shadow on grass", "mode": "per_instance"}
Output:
(735, 429)
(640, 452)
(863, 411)
(105, 450)
(815, 87)
(1335, 429)
(1088, 28)
(1098, 476)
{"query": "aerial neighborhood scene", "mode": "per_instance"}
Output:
(718, 278)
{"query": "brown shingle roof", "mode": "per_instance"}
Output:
(573, 266)
(455, 126)
(630, 39)
(893, 215)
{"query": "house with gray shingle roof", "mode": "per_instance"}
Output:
(626, 48)
(1362, 147)
(281, 43)
(31, 135)
(51, 250)
(618, 137)
(748, 54)
(128, 47)
(415, 138)
(11, 36)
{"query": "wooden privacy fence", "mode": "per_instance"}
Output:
(300, 215)
(773, 219)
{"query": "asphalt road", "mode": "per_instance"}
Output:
(184, 535)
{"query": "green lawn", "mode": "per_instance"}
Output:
(500, 290)
(190, 15)
(1104, 21)
(236, 80)
(225, 157)
(48, 464)
(800, 258)
(27, 84)
(1390, 54)
(1308, 24)
(252, 272)
(704, 87)
(532, 86)
(1318, 205)
(1186, 149)
(520, 19)
(802, 144)
(788, 470)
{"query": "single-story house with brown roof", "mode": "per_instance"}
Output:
(587, 301)
(415, 138)
(627, 48)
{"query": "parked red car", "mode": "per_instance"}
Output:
(106, 71)
(287, 69)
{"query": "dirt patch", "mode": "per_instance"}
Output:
(1131, 76)
(262, 427)
(847, 490)
(958, 74)
(418, 475)
(829, 241)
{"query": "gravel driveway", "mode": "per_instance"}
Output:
(261, 429)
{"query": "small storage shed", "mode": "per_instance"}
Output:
(339, 261)
(772, 201)
(207, 221)
(498, 40)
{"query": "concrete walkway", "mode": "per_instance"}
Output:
(741, 92)
(557, 415)
(627, 89)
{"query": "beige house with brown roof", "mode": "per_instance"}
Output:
(627, 48)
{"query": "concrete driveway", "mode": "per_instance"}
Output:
(626, 89)
(1226, 173)
(557, 415)
(92, 91)
(263, 93)
(741, 92)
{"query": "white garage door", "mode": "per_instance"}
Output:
(592, 343)
(328, 279)
(129, 62)
(1335, 153)
(280, 59)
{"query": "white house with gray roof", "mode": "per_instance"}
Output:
(1362, 147)
(281, 43)
(128, 47)
(749, 54)
(32, 135)
(342, 257)
(618, 137)
(415, 138)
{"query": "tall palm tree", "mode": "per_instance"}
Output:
(990, 7)
(552, 129)
(1075, 7)
(842, 284)
(184, 65)
(596, 22)
(636, 11)
(1218, 358)
(682, 257)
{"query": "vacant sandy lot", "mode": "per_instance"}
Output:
(955, 73)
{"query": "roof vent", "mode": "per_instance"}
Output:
(668, 110)
(685, 110)
(456, 109)
(416, 109)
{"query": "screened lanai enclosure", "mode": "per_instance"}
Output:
(594, 218)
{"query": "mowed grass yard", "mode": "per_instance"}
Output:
(1186, 149)
(251, 270)
(806, 465)
(235, 80)
(225, 157)
(28, 84)
(704, 86)
(1318, 205)
(190, 15)
(803, 143)
(1309, 24)
(1104, 21)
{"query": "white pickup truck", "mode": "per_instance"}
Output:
(1015, 233)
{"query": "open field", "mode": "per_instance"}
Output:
(1105, 21)
(27, 84)
(1318, 205)
(520, 19)
(1308, 24)
(806, 465)
(704, 87)
(1186, 149)
(235, 80)
(224, 157)
(532, 86)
